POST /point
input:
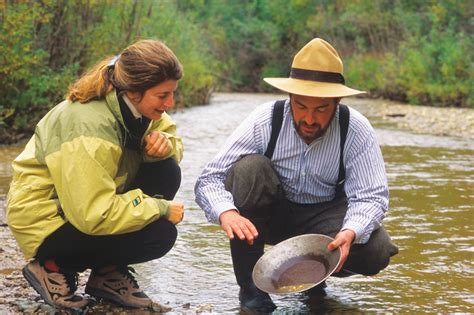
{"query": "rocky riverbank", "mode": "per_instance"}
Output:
(441, 121)
(16, 296)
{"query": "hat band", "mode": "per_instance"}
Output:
(320, 76)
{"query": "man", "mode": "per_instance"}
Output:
(316, 169)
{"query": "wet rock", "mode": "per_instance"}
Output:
(186, 306)
(157, 307)
(204, 308)
(27, 306)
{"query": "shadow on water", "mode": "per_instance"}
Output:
(430, 219)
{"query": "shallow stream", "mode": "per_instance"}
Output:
(431, 181)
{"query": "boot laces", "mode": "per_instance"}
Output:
(126, 271)
(69, 277)
(71, 280)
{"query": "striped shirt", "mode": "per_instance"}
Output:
(308, 172)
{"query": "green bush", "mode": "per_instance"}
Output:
(414, 51)
(437, 72)
(365, 72)
(45, 46)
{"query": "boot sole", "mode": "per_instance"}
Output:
(35, 284)
(101, 294)
(33, 281)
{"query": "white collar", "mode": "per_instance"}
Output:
(134, 111)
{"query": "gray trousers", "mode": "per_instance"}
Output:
(258, 195)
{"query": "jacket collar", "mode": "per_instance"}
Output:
(113, 104)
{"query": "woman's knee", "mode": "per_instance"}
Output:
(172, 177)
(162, 235)
(162, 177)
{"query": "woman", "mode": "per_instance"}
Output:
(92, 188)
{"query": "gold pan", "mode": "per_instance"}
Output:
(296, 264)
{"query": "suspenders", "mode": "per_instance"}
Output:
(277, 120)
(344, 125)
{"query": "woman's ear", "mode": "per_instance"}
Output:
(134, 97)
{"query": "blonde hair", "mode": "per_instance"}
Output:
(139, 67)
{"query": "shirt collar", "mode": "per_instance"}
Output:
(134, 111)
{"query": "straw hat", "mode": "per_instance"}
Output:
(316, 71)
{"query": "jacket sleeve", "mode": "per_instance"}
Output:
(84, 172)
(167, 127)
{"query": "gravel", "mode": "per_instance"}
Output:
(455, 122)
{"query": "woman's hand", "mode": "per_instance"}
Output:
(157, 145)
(175, 212)
(344, 240)
(233, 223)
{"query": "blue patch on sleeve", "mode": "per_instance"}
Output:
(136, 201)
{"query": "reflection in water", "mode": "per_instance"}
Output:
(431, 192)
(323, 303)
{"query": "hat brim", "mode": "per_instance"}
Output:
(312, 88)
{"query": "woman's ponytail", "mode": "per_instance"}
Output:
(139, 67)
(93, 85)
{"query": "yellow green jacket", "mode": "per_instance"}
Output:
(77, 161)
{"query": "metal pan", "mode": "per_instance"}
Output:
(296, 264)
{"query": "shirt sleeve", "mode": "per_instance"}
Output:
(366, 183)
(247, 139)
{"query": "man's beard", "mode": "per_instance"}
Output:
(309, 137)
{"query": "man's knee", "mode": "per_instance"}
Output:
(369, 259)
(374, 264)
(253, 182)
(248, 168)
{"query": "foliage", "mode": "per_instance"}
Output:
(419, 51)
(45, 45)
(432, 64)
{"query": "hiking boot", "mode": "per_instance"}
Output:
(118, 286)
(56, 288)
(253, 300)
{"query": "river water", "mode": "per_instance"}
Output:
(430, 219)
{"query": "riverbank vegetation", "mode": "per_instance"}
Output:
(413, 51)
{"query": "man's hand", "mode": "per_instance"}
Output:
(235, 224)
(175, 212)
(344, 240)
(157, 145)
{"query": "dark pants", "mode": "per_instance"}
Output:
(76, 251)
(257, 194)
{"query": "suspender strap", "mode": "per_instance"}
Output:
(277, 120)
(343, 125)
